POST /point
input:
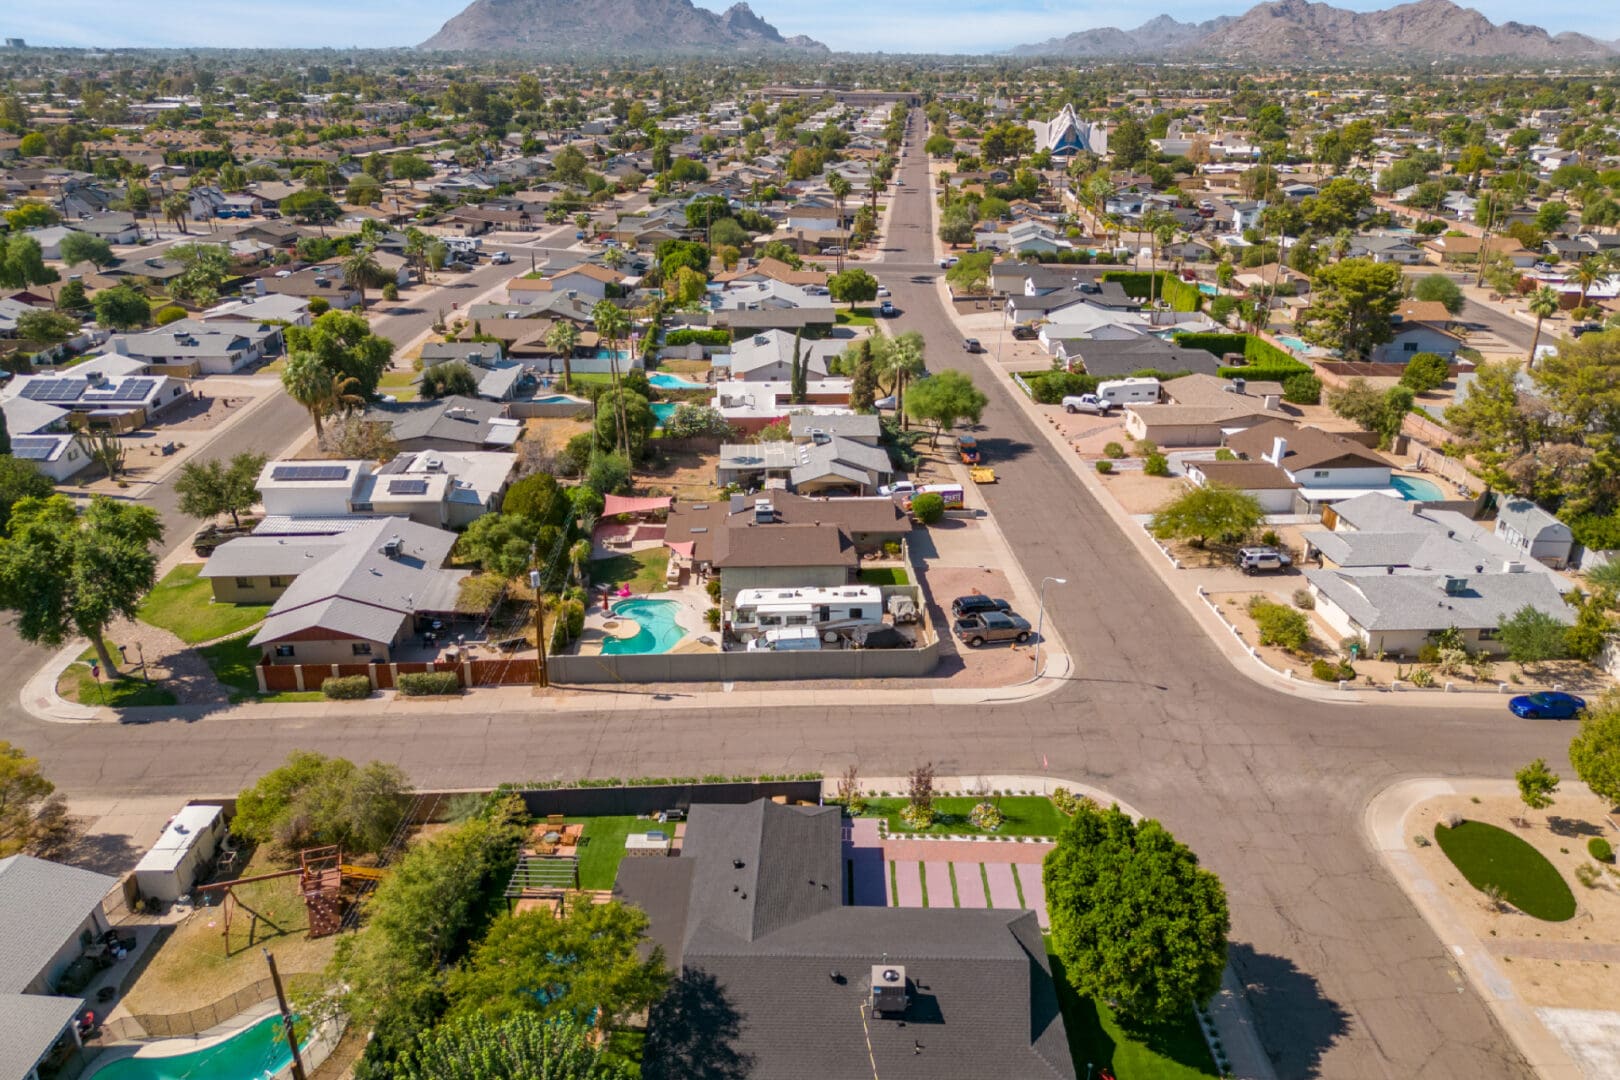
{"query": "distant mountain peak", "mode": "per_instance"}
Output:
(610, 27)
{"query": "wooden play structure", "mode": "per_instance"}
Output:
(320, 871)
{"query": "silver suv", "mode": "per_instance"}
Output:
(1257, 560)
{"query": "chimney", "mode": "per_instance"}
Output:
(1271, 402)
(1279, 449)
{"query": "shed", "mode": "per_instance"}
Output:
(189, 840)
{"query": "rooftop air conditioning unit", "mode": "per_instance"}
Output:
(392, 547)
(889, 990)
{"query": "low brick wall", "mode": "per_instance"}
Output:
(746, 666)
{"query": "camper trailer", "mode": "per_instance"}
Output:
(762, 610)
(1142, 391)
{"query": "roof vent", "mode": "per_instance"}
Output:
(393, 546)
(889, 990)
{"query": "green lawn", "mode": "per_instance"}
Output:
(1487, 855)
(1027, 815)
(233, 661)
(77, 684)
(885, 575)
(643, 570)
(1175, 1051)
(401, 384)
(602, 846)
(861, 316)
(183, 604)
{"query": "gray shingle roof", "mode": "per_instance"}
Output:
(1421, 602)
(42, 904)
(29, 1027)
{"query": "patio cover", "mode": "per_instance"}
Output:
(624, 504)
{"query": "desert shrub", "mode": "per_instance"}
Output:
(1304, 600)
(1303, 388)
(1279, 624)
(1223, 454)
(1144, 447)
(347, 687)
(1428, 653)
(1329, 671)
(390, 292)
(1422, 677)
(1156, 464)
(1600, 849)
(1114, 450)
(1105, 467)
(426, 683)
(928, 507)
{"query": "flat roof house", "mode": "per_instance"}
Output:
(751, 916)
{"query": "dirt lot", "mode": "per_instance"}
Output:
(686, 474)
(554, 432)
(202, 413)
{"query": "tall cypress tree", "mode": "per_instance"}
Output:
(863, 387)
(5, 437)
(799, 386)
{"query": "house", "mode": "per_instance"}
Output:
(768, 357)
(435, 353)
(1535, 533)
(1203, 410)
(354, 601)
(40, 433)
(1395, 249)
(1113, 359)
(701, 532)
(751, 915)
(291, 310)
(195, 347)
(1327, 467)
(450, 423)
(49, 914)
(583, 279)
(306, 285)
(100, 396)
(1396, 574)
(1466, 249)
(117, 227)
(437, 488)
(1026, 237)
(823, 464)
(1268, 485)
(857, 427)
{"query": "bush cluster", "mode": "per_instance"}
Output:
(347, 687)
(1156, 464)
(427, 683)
(1328, 671)
(1279, 624)
(1051, 387)
(698, 337)
(1105, 467)
(1600, 849)
(986, 816)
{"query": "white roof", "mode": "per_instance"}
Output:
(797, 599)
(178, 838)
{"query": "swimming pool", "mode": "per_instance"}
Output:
(1297, 344)
(605, 353)
(664, 410)
(1209, 290)
(559, 399)
(1416, 489)
(659, 631)
(673, 382)
(254, 1053)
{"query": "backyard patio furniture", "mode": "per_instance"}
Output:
(555, 820)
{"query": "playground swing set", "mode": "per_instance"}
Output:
(320, 871)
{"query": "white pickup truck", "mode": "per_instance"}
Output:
(1087, 403)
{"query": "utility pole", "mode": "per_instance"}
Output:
(286, 1018)
(542, 676)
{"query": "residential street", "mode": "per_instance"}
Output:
(1345, 978)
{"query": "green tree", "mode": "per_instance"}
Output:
(343, 343)
(627, 413)
(213, 487)
(522, 1046)
(797, 380)
(608, 474)
(206, 268)
(1199, 513)
(1581, 384)
(30, 811)
(64, 573)
(1425, 371)
(175, 209)
(1437, 288)
(77, 247)
(1595, 751)
(45, 327)
(1532, 636)
(19, 480)
(853, 286)
(945, 400)
(451, 378)
(537, 497)
(693, 421)
(1351, 304)
(863, 384)
(22, 263)
(1360, 401)
(313, 800)
(362, 271)
(928, 507)
(1593, 626)
(71, 296)
(1537, 784)
(31, 214)
(956, 224)
(122, 307)
(1128, 143)
(1136, 921)
(502, 544)
(562, 338)
(588, 961)
(310, 207)
(1543, 304)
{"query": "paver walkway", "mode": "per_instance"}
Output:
(1003, 893)
(970, 886)
(908, 880)
(1034, 893)
(939, 884)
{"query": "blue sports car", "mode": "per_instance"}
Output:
(1548, 705)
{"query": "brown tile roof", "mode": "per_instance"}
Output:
(1308, 447)
(784, 545)
(1244, 475)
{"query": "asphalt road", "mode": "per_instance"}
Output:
(1345, 978)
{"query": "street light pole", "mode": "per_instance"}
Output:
(1040, 621)
(542, 676)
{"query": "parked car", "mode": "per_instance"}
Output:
(1547, 705)
(948, 261)
(1585, 328)
(967, 448)
(890, 402)
(972, 345)
(886, 310)
(975, 604)
(1257, 560)
(975, 630)
(883, 290)
(878, 636)
(1023, 332)
(899, 487)
(501, 258)
(1087, 403)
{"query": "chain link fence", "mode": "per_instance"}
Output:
(179, 1025)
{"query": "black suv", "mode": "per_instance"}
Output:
(1021, 332)
(977, 605)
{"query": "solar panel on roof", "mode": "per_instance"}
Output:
(51, 390)
(32, 449)
(309, 472)
(133, 389)
(407, 487)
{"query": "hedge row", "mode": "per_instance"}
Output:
(347, 687)
(1180, 295)
(1257, 351)
(427, 683)
(698, 337)
(1262, 374)
(1051, 387)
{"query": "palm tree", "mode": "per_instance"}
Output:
(579, 555)
(361, 270)
(906, 361)
(308, 382)
(175, 208)
(613, 324)
(1588, 272)
(613, 258)
(840, 189)
(416, 248)
(563, 336)
(1163, 237)
(1543, 304)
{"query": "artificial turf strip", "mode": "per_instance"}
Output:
(956, 897)
(1019, 885)
(1487, 855)
(894, 885)
(984, 879)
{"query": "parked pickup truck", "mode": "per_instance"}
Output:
(1089, 403)
(975, 630)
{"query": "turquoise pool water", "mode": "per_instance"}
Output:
(664, 410)
(1297, 344)
(605, 353)
(254, 1053)
(1416, 489)
(558, 399)
(1208, 290)
(659, 631)
(673, 382)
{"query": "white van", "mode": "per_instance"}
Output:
(787, 639)
(1129, 391)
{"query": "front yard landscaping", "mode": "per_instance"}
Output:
(861, 316)
(1492, 857)
(183, 604)
(1175, 1051)
(232, 663)
(1026, 815)
(77, 684)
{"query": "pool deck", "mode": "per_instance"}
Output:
(693, 601)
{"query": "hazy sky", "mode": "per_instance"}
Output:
(896, 26)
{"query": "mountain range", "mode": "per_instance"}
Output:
(1298, 30)
(611, 27)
